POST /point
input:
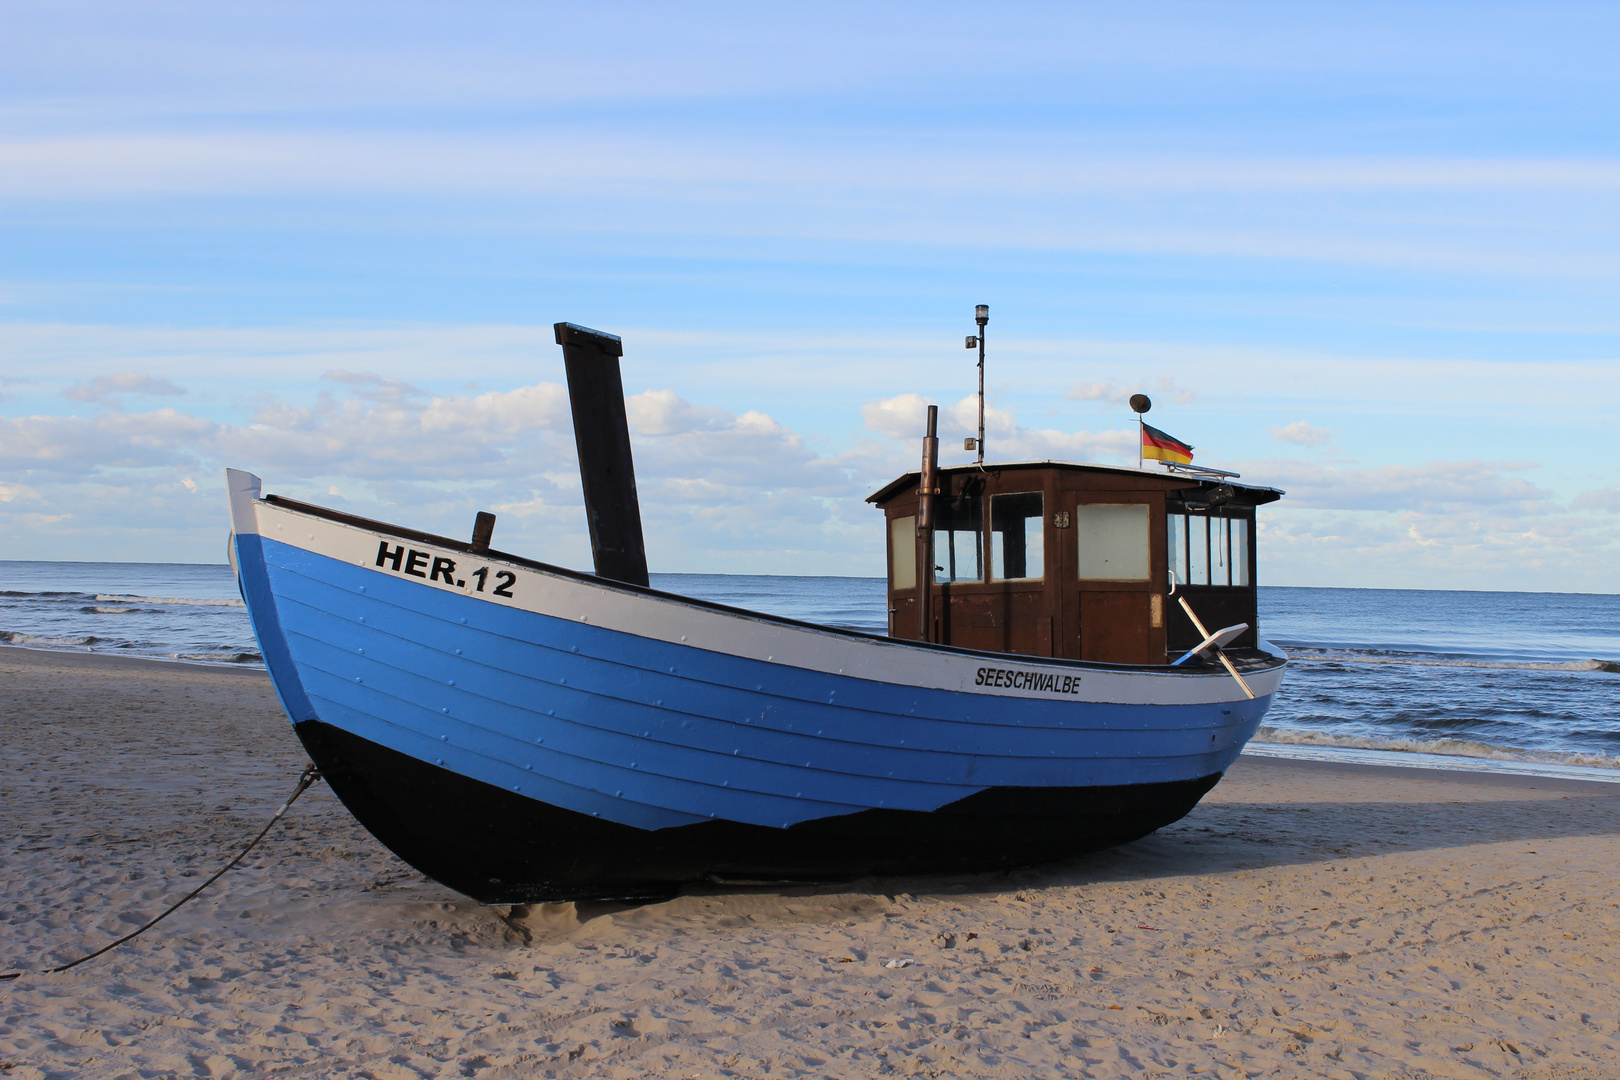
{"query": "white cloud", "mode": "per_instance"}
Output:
(106, 389)
(1606, 500)
(1440, 524)
(661, 412)
(1300, 433)
(905, 417)
(369, 386)
(1442, 549)
(243, 160)
(1462, 487)
(72, 445)
(723, 490)
(719, 490)
(1015, 194)
(509, 413)
(1165, 386)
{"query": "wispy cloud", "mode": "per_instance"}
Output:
(527, 162)
(107, 389)
(1606, 500)
(1300, 433)
(1165, 386)
(1462, 487)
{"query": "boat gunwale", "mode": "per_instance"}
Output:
(1246, 664)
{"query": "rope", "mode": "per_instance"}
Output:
(310, 775)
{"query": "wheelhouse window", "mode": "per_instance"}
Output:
(1237, 546)
(1175, 528)
(903, 552)
(959, 539)
(1197, 549)
(1113, 541)
(1206, 550)
(1017, 536)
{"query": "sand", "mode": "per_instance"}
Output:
(1306, 921)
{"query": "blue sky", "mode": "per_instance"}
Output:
(1363, 252)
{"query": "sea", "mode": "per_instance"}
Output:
(1489, 681)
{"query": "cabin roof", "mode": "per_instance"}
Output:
(1250, 493)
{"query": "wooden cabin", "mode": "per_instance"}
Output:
(1047, 558)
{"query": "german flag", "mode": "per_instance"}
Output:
(1161, 447)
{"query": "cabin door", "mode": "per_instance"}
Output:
(1117, 544)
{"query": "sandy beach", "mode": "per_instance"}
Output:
(1307, 920)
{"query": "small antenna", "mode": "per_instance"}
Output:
(981, 315)
(1140, 403)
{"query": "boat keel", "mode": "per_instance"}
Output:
(500, 847)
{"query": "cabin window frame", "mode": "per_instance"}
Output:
(1216, 535)
(902, 526)
(1081, 508)
(946, 509)
(992, 549)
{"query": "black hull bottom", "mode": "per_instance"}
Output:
(501, 848)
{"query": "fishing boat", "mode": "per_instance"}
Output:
(524, 732)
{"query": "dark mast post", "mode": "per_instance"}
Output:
(602, 434)
(926, 490)
(981, 315)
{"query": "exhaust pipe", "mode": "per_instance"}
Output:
(602, 434)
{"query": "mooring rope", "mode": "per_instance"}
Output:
(309, 776)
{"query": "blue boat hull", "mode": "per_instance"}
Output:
(522, 733)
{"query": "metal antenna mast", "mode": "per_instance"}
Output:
(981, 315)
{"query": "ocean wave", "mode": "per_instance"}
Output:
(222, 657)
(169, 601)
(98, 609)
(17, 637)
(50, 594)
(1448, 747)
(1307, 654)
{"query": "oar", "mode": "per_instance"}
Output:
(1215, 641)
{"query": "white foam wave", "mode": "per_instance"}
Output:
(1444, 747)
(1332, 656)
(17, 637)
(98, 609)
(169, 601)
(252, 658)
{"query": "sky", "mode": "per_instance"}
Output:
(1363, 252)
